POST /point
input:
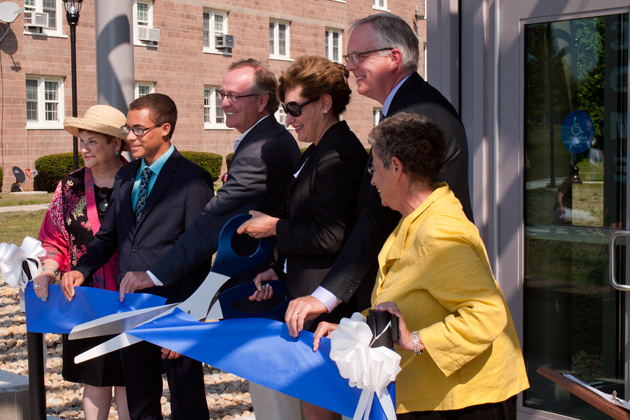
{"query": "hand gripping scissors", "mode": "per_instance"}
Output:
(201, 304)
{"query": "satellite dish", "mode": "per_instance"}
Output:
(9, 11)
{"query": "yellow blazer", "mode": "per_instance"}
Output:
(435, 267)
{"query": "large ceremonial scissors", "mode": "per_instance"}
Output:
(200, 305)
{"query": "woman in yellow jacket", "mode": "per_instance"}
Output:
(460, 354)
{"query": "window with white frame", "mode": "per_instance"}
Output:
(213, 116)
(42, 17)
(279, 40)
(214, 30)
(143, 88)
(376, 116)
(333, 45)
(144, 33)
(281, 116)
(44, 102)
(379, 4)
(424, 56)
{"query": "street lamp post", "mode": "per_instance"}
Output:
(35, 341)
(73, 9)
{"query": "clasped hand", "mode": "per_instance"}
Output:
(259, 226)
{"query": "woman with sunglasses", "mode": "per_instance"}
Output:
(321, 201)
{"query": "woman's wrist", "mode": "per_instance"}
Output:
(51, 273)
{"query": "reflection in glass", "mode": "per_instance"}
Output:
(573, 200)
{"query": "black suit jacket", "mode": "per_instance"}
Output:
(261, 169)
(177, 198)
(354, 272)
(321, 208)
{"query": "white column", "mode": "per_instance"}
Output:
(114, 53)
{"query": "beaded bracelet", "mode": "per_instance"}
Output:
(416, 343)
(55, 272)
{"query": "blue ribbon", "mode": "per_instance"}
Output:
(58, 315)
(259, 350)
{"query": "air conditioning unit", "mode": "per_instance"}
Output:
(222, 42)
(35, 19)
(148, 34)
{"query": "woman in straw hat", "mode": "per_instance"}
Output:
(74, 216)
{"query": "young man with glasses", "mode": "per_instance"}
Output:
(383, 55)
(155, 198)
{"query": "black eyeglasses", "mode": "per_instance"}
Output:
(294, 109)
(138, 131)
(355, 57)
(234, 98)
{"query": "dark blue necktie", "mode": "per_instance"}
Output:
(143, 191)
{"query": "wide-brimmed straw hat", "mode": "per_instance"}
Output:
(102, 119)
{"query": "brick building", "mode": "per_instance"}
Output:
(187, 62)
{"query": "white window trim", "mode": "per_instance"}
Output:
(275, 55)
(339, 1)
(41, 124)
(211, 49)
(56, 32)
(376, 116)
(213, 125)
(379, 7)
(425, 67)
(329, 38)
(136, 41)
(136, 89)
(281, 116)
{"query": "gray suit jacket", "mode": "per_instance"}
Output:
(261, 169)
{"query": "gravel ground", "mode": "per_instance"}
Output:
(227, 395)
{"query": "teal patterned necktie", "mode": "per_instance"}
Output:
(143, 191)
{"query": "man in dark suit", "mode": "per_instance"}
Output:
(383, 55)
(155, 198)
(265, 159)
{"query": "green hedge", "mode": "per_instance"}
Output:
(228, 159)
(52, 168)
(211, 162)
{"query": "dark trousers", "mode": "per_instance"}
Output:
(505, 410)
(143, 367)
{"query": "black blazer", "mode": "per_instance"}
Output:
(261, 169)
(355, 270)
(321, 208)
(178, 197)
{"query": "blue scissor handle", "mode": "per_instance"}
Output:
(228, 262)
(262, 309)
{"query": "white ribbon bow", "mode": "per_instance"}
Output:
(11, 258)
(369, 369)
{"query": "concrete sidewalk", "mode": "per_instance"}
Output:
(29, 207)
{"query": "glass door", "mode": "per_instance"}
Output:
(575, 151)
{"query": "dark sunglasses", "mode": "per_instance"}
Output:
(294, 109)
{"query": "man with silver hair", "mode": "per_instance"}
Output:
(383, 55)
